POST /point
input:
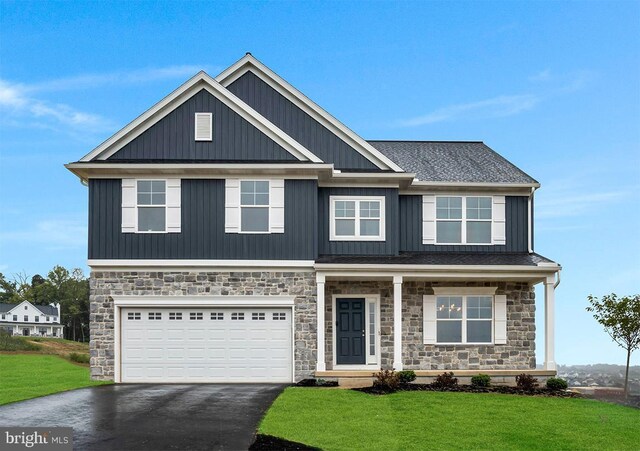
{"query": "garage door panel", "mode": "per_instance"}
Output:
(206, 345)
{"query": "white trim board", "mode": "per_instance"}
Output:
(249, 62)
(200, 81)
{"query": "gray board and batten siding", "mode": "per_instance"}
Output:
(203, 234)
(387, 247)
(172, 137)
(298, 124)
(516, 216)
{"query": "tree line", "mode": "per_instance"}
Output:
(69, 288)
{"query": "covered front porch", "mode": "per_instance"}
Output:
(381, 316)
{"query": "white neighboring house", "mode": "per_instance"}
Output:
(27, 319)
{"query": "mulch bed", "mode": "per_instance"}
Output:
(316, 383)
(472, 389)
(269, 442)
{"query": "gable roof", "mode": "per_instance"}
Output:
(45, 309)
(450, 161)
(249, 62)
(200, 81)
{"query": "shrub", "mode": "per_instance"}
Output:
(79, 358)
(386, 380)
(481, 380)
(556, 383)
(445, 380)
(526, 382)
(10, 343)
(406, 376)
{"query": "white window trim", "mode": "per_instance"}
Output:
(138, 206)
(357, 236)
(464, 220)
(268, 207)
(372, 362)
(464, 295)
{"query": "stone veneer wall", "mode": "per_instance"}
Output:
(518, 353)
(106, 284)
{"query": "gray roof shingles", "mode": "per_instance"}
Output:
(450, 161)
(439, 258)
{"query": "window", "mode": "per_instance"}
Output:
(134, 316)
(237, 316)
(196, 316)
(25, 307)
(254, 206)
(463, 220)
(55, 318)
(3, 316)
(464, 319)
(37, 318)
(48, 318)
(155, 316)
(255, 316)
(217, 316)
(26, 317)
(15, 317)
(151, 202)
(279, 316)
(372, 328)
(175, 316)
(357, 218)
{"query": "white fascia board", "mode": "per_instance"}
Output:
(437, 268)
(87, 170)
(249, 62)
(488, 185)
(165, 106)
(203, 301)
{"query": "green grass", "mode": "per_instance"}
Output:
(26, 376)
(351, 420)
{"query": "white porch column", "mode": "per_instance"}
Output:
(397, 323)
(549, 323)
(320, 364)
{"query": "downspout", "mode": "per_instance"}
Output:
(530, 220)
(555, 285)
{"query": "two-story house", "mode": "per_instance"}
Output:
(29, 319)
(238, 232)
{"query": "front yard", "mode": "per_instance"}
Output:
(349, 420)
(35, 366)
(26, 376)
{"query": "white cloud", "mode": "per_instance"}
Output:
(23, 105)
(52, 234)
(15, 100)
(506, 105)
(135, 76)
(500, 106)
(542, 76)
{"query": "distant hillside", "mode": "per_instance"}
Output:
(600, 375)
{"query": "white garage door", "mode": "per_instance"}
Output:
(206, 345)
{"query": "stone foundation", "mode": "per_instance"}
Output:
(106, 284)
(517, 354)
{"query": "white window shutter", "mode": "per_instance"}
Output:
(429, 219)
(232, 206)
(500, 331)
(429, 317)
(129, 202)
(499, 223)
(204, 126)
(174, 197)
(276, 204)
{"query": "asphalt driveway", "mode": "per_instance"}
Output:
(151, 417)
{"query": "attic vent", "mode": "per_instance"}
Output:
(204, 126)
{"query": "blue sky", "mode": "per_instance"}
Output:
(552, 86)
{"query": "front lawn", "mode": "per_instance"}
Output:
(25, 376)
(349, 420)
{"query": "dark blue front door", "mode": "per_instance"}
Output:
(350, 331)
